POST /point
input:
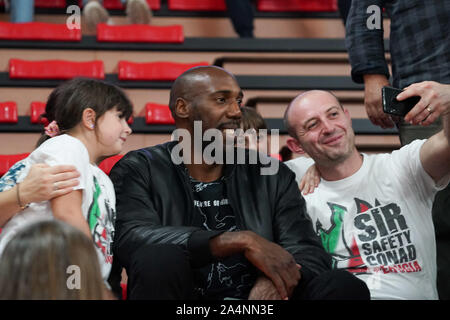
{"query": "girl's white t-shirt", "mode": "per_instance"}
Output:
(98, 202)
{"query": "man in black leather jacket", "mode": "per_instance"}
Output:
(210, 231)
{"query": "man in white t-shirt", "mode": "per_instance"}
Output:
(373, 212)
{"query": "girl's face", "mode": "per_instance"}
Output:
(112, 132)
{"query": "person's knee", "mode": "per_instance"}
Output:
(346, 286)
(159, 260)
(334, 285)
(160, 272)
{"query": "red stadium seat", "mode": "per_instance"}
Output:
(8, 112)
(47, 3)
(38, 31)
(50, 3)
(107, 164)
(7, 161)
(197, 5)
(37, 108)
(297, 5)
(276, 156)
(55, 69)
(154, 71)
(124, 290)
(116, 4)
(130, 120)
(140, 33)
(158, 114)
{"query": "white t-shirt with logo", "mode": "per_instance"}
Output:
(98, 203)
(377, 223)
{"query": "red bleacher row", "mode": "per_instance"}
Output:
(41, 31)
(6, 162)
(128, 71)
(154, 113)
(211, 5)
(108, 4)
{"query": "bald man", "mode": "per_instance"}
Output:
(196, 229)
(372, 212)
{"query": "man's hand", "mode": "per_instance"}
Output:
(310, 180)
(373, 83)
(434, 101)
(274, 261)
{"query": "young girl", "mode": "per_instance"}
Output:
(89, 125)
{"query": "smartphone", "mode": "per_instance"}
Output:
(392, 106)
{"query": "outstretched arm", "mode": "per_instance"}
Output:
(434, 102)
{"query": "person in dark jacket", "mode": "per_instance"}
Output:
(192, 230)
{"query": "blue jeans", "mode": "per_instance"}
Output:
(22, 11)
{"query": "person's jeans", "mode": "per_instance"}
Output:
(22, 11)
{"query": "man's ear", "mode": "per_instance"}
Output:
(347, 114)
(294, 146)
(88, 118)
(182, 108)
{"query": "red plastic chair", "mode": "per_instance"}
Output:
(197, 5)
(154, 71)
(158, 114)
(7, 161)
(37, 108)
(276, 156)
(140, 33)
(107, 164)
(124, 290)
(8, 112)
(50, 3)
(116, 4)
(38, 31)
(297, 5)
(130, 120)
(55, 69)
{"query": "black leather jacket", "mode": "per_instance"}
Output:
(155, 205)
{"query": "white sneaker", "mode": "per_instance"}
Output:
(94, 13)
(138, 12)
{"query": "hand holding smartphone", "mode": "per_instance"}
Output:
(392, 106)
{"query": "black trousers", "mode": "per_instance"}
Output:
(241, 15)
(441, 220)
(344, 8)
(163, 272)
